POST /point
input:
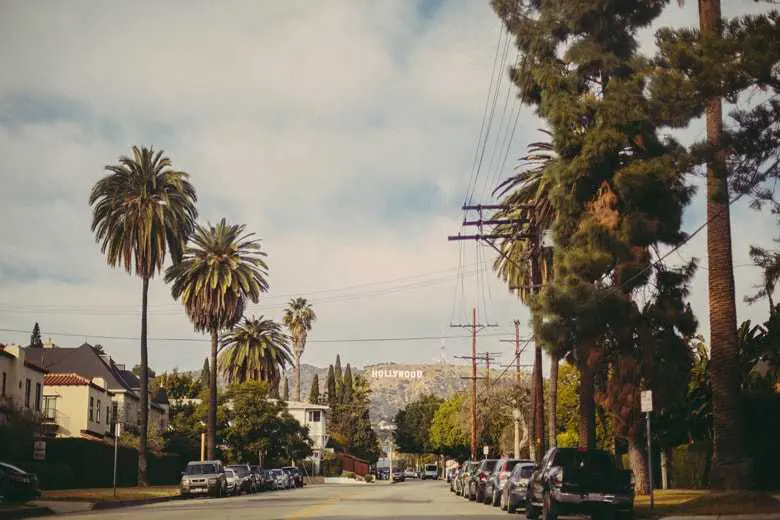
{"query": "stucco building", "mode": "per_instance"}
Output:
(21, 380)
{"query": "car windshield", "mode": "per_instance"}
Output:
(240, 470)
(490, 465)
(201, 469)
(230, 473)
(525, 471)
(587, 461)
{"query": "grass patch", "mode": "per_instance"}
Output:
(679, 502)
(107, 494)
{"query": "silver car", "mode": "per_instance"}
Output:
(204, 478)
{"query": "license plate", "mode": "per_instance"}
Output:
(199, 490)
(594, 497)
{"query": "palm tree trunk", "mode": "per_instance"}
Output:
(212, 418)
(638, 460)
(553, 404)
(142, 480)
(730, 468)
(587, 402)
(298, 355)
(539, 398)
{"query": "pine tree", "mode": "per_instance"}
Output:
(35, 338)
(205, 374)
(314, 394)
(618, 188)
(346, 395)
(286, 390)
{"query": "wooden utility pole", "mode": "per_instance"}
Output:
(475, 327)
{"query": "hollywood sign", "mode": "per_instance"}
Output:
(396, 374)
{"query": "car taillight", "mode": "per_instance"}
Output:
(556, 477)
(483, 476)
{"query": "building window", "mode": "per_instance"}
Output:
(38, 397)
(99, 409)
(5, 376)
(91, 408)
(50, 408)
(27, 390)
(315, 415)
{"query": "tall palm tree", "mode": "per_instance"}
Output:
(531, 186)
(255, 349)
(143, 209)
(222, 268)
(298, 318)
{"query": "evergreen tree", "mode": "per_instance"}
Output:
(205, 374)
(346, 396)
(35, 338)
(339, 379)
(286, 390)
(331, 386)
(314, 394)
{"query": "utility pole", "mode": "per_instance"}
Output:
(518, 350)
(538, 379)
(475, 327)
(486, 356)
(510, 228)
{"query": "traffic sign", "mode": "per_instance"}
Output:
(485, 450)
(39, 450)
(646, 401)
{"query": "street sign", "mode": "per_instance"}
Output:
(485, 450)
(39, 450)
(646, 401)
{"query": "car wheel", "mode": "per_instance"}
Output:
(549, 510)
(502, 503)
(496, 499)
(511, 506)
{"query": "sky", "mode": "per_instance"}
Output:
(342, 133)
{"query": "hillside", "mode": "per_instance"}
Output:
(395, 385)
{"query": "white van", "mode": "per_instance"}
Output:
(431, 471)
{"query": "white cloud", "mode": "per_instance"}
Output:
(316, 124)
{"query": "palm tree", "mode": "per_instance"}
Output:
(298, 318)
(142, 210)
(255, 349)
(222, 268)
(769, 262)
(531, 186)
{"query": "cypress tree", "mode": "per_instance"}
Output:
(314, 394)
(331, 386)
(346, 396)
(205, 374)
(339, 379)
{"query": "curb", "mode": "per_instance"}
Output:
(26, 512)
(99, 506)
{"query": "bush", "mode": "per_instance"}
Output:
(347, 474)
(369, 478)
(691, 466)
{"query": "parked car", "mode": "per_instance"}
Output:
(296, 475)
(204, 478)
(233, 482)
(246, 479)
(17, 485)
(494, 485)
(398, 475)
(580, 481)
(515, 489)
(264, 478)
(430, 471)
(461, 482)
(383, 473)
(478, 479)
(411, 473)
(281, 479)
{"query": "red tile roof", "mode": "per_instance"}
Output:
(70, 379)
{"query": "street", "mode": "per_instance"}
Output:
(406, 500)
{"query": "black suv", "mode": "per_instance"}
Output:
(579, 481)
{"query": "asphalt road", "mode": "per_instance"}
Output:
(404, 500)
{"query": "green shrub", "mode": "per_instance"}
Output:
(347, 474)
(691, 466)
(368, 478)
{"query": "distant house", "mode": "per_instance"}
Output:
(21, 380)
(121, 384)
(74, 406)
(315, 417)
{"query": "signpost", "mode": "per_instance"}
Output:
(39, 449)
(117, 428)
(646, 402)
(485, 450)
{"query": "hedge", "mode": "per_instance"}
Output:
(81, 463)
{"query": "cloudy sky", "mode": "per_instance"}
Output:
(343, 133)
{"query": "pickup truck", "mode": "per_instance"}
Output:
(579, 481)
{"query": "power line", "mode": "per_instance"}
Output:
(207, 340)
